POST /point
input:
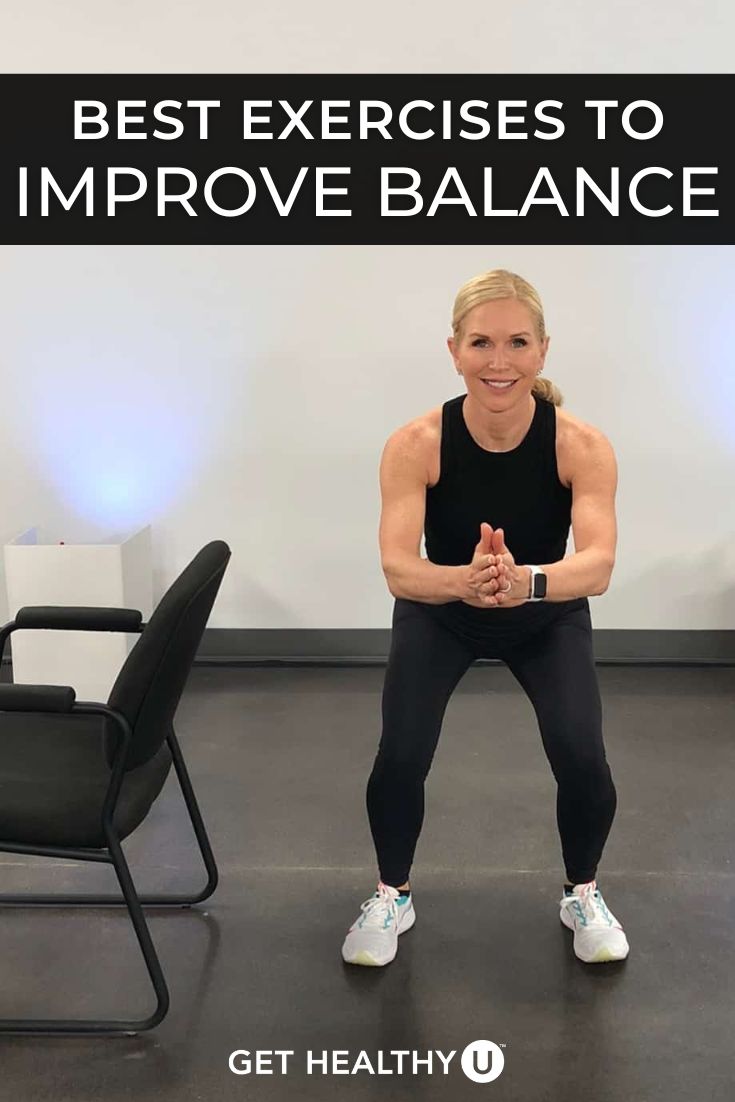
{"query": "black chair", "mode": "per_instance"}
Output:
(76, 778)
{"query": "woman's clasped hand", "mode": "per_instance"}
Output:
(493, 580)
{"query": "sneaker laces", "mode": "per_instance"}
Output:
(589, 906)
(379, 910)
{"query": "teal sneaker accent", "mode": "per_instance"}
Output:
(579, 912)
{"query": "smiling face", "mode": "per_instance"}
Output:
(499, 341)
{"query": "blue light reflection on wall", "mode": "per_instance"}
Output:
(692, 335)
(129, 372)
(709, 374)
(120, 440)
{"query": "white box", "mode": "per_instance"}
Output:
(109, 574)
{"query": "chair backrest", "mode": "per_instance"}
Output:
(149, 685)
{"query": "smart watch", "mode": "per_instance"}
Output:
(538, 583)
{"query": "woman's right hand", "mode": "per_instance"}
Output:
(484, 576)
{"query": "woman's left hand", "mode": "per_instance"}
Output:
(508, 571)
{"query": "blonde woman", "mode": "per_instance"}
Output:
(494, 478)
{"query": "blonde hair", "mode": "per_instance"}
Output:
(500, 283)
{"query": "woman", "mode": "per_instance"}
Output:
(504, 462)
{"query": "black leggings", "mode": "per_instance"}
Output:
(555, 666)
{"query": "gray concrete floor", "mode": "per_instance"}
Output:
(279, 758)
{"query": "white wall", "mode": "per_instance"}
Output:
(246, 393)
(416, 36)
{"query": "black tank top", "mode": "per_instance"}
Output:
(517, 490)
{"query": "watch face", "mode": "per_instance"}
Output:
(539, 585)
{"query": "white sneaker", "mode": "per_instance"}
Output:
(373, 937)
(598, 936)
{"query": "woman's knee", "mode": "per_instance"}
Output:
(402, 763)
(574, 742)
(583, 766)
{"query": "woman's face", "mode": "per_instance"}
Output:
(499, 342)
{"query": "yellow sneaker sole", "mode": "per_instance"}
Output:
(364, 957)
(603, 955)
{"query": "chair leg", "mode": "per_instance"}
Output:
(196, 821)
(104, 1025)
(156, 900)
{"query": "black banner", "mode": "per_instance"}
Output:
(367, 159)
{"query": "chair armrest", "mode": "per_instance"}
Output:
(37, 698)
(69, 618)
(72, 618)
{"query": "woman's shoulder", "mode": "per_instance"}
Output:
(574, 430)
(576, 442)
(424, 433)
(418, 440)
(424, 429)
(422, 426)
